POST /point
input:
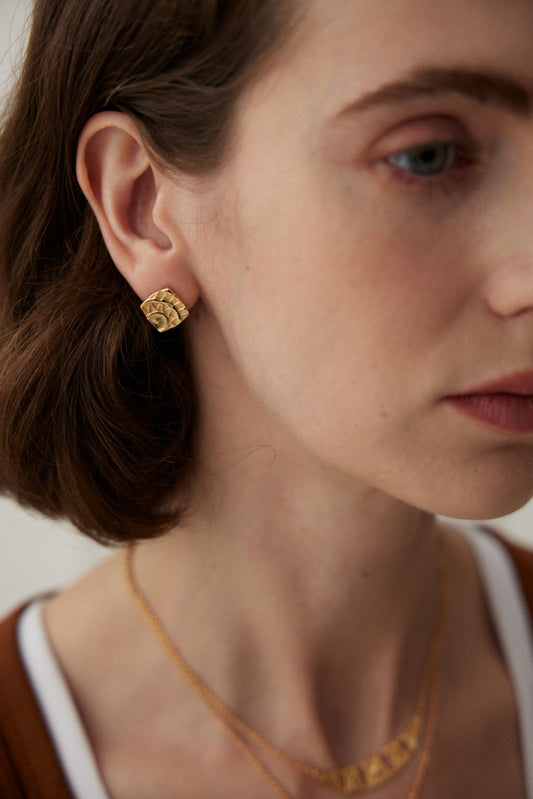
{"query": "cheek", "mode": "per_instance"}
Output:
(324, 328)
(335, 296)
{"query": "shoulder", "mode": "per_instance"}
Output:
(28, 764)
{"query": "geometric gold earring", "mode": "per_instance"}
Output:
(164, 310)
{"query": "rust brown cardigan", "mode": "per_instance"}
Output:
(29, 768)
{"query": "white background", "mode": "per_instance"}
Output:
(37, 554)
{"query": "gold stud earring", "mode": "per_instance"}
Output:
(164, 310)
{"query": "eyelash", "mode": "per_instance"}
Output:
(467, 155)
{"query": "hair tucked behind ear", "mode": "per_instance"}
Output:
(96, 408)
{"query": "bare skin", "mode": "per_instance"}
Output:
(339, 298)
(152, 735)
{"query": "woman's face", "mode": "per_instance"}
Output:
(368, 251)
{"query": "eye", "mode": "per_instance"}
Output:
(453, 165)
(427, 160)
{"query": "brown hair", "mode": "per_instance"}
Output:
(97, 408)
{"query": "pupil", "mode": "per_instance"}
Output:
(431, 160)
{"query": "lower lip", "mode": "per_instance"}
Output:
(508, 413)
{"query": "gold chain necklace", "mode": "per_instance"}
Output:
(353, 778)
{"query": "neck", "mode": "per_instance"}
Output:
(310, 585)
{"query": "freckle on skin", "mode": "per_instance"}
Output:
(247, 268)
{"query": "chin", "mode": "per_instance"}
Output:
(484, 485)
(481, 505)
(488, 488)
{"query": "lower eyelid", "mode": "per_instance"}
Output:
(453, 182)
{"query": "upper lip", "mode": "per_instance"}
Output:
(517, 383)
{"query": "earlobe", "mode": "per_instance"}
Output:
(122, 185)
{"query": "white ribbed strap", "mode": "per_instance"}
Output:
(58, 708)
(514, 629)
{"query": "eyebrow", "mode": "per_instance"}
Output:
(488, 88)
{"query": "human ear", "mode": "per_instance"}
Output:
(130, 197)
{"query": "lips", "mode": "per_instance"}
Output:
(504, 404)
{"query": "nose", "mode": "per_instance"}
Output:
(506, 240)
(509, 289)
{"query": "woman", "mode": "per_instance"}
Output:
(338, 194)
